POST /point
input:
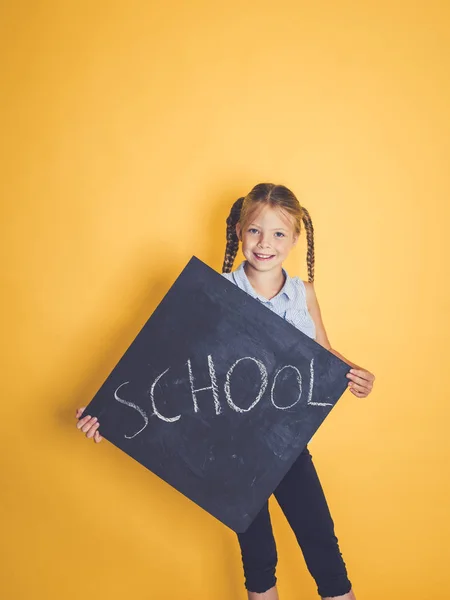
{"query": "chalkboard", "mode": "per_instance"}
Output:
(218, 395)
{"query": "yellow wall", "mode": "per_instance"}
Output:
(128, 130)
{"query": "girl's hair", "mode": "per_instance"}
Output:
(275, 196)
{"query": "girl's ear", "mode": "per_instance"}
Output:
(296, 236)
(238, 230)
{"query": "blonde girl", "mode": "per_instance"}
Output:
(268, 223)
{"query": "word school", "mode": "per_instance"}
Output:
(227, 389)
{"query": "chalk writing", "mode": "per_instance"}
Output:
(213, 386)
(135, 406)
(262, 389)
(227, 389)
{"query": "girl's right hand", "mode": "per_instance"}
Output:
(88, 425)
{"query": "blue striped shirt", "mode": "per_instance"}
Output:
(289, 303)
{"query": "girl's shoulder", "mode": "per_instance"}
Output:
(299, 284)
(305, 292)
(310, 294)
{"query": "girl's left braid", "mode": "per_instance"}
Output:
(310, 243)
(232, 238)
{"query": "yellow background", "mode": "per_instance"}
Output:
(128, 129)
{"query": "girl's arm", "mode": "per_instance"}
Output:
(361, 380)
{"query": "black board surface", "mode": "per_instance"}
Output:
(218, 395)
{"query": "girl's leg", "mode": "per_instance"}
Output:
(259, 557)
(271, 594)
(301, 498)
(349, 596)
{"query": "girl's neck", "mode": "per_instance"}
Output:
(267, 284)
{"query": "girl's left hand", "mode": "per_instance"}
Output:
(361, 383)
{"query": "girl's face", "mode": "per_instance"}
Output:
(268, 238)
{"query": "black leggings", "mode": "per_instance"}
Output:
(303, 502)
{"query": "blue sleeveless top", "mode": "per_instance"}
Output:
(289, 303)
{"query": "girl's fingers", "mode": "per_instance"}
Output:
(92, 430)
(359, 388)
(359, 391)
(82, 421)
(89, 425)
(359, 374)
(85, 428)
(359, 394)
(361, 382)
(358, 378)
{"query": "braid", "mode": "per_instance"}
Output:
(310, 243)
(232, 238)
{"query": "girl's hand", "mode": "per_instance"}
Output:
(361, 383)
(88, 425)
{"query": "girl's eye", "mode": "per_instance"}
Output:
(279, 233)
(253, 230)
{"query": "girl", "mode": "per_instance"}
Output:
(268, 223)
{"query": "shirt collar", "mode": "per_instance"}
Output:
(241, 276)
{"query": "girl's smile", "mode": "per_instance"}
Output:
(263, 257)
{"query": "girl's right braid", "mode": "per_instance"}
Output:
(310, 243)
(232, 238)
